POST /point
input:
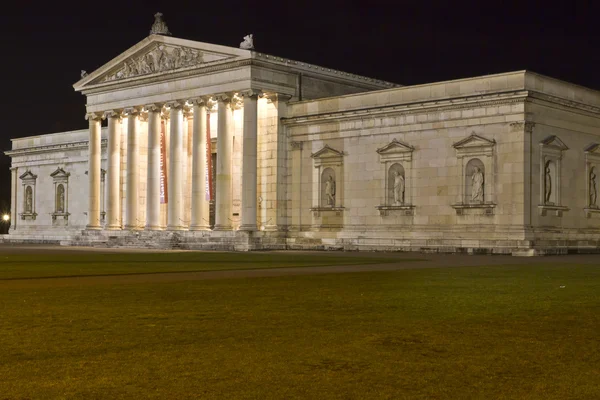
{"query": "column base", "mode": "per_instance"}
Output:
(200, 228)
(132, 228)
(249, 227)
(113, 227)
(177, 228)
(154, 228)
(223, 228)
(271, 228)
(93, 227)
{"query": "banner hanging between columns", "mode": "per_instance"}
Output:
(208, 169)
(164, 197)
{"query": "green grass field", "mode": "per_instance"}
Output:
(20, 266)
(502, 332)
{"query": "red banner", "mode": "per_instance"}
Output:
(164, 197)
(208, 170)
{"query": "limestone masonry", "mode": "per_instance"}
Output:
(214, 147)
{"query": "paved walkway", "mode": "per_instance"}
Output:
(405, 261)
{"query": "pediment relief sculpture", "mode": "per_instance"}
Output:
(160, 59)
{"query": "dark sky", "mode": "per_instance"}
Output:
(407, 42)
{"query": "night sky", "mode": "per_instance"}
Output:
(46, 45)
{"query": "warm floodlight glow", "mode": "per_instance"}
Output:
(5, 217)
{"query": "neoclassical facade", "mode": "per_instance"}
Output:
(213, 147)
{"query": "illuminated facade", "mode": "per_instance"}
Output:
(213, 147)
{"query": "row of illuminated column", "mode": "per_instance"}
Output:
(175, 174)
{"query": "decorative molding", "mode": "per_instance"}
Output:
(154, 107)
(526, 126)
(466, 102)
(474, 141)
(52, 148)
(486, 209)
(406, 210)
(557, 211)
(28, 176)
(296, 145)
(554, 142)
(327, 153)
(60, 174)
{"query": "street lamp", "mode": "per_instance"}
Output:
(5, 217)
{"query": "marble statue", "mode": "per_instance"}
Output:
(477, 185)
(83, 73)
(330, 191)
(28, 200)
(248, 43)
(547, 183)
(159, 27)
(593, 188)
(398, 188)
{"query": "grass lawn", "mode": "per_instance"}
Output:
(502, 332)
(17, 266)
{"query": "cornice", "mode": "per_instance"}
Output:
(540, 98)
(409, 108)
(52, 148)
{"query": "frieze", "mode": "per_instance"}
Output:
(160, 59)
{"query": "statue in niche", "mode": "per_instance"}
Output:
(547, 183)
(248, 43)
(477, 185)
(398, 188)
(593, 188)
(28, 200)
(330, 191)
(60, 199)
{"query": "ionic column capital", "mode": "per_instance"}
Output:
(93, 116)
(223, 97)
(154, 107)
(176, 104)
(132, 111)
(251, 93)
(116, 114)
(277, 97)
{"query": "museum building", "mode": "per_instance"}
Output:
(214, 147)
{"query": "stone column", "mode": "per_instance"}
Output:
(224, 152)
(13, 198)
(175, 171)
(249, 160)
(153, 176)
(133, 171)
(200, 204)
(113, 207)
(94, 172)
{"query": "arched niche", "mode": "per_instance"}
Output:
(328, 188)
(396, 184)
(550, 183)
(475, 182)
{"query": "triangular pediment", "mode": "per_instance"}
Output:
(474, 141)
(395, 147)
(327, 152)
(60, 173)
(593, 148)
(156, 55)
(28, 175)
(554, 142)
